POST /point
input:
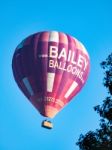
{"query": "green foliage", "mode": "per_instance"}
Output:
(105, 110)
(107, 66)
(101, 139)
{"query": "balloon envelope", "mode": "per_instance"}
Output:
(50, 68)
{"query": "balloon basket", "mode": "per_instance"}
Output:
(47, 124)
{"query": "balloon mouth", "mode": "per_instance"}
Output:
(49, 112)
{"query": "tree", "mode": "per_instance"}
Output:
(101, 139)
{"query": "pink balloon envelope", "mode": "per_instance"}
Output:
(50, 68)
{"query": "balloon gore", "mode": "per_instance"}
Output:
(50, 68)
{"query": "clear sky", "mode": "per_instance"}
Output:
(88, 21)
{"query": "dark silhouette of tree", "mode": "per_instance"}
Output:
(101, 139)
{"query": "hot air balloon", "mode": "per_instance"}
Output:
(50, 68)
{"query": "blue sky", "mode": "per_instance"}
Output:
(88, 21)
